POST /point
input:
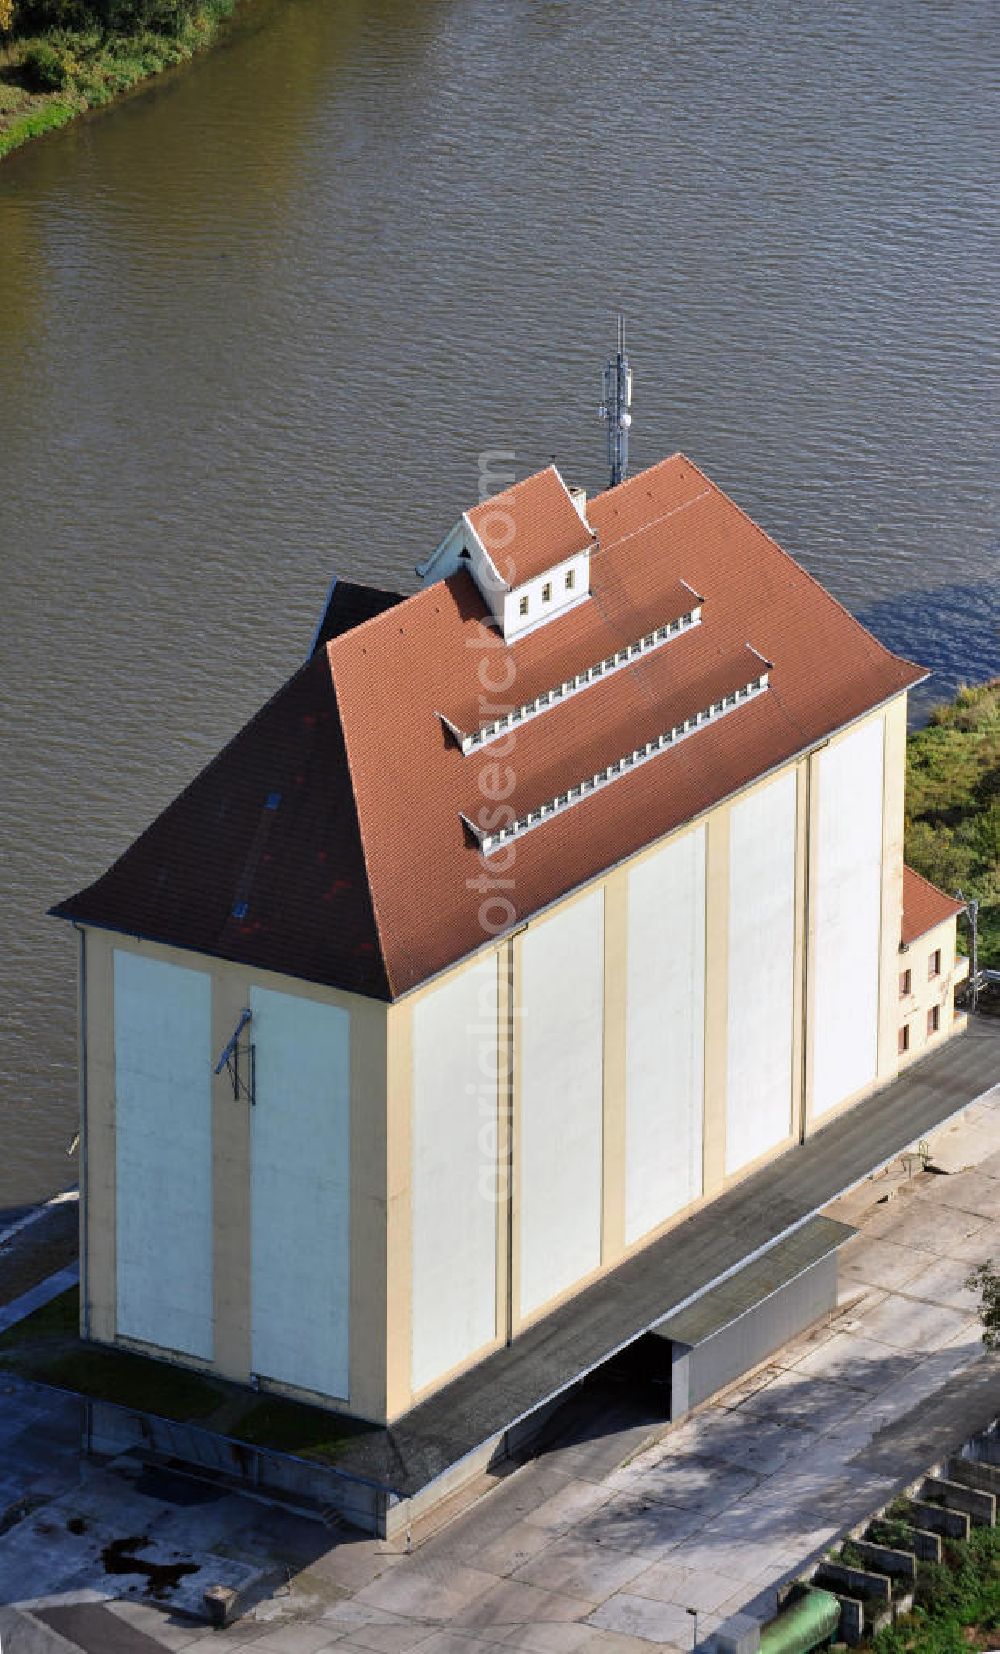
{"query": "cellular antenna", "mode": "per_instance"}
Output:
(616, 407)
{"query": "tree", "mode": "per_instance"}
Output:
(986, 1281)
(6, 16)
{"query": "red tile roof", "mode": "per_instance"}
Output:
(365, 877)
(531, 527)
(924, 906)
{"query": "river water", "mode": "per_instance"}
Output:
(258, 323)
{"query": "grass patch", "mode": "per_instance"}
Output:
(45, 1346)
(130, 1380)
(953, 805)
(291, 1427)
(46, 79)
(957, 1605)
(20, 127)
(60, 1318)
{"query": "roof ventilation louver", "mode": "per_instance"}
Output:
(572, 686)
(489, 842)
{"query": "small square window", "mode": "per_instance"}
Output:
(547, 592)
(934, 965)
(934, 1019)
(524, 605)
(904, 1038)
(570, 579)
(905, 983)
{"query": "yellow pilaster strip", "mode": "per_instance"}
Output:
(503, 1182)
(808, 938)
(516, 1003)
(398, 1216)
(801, 953)
(893, 806)
(716, 997)
(615, 1013)
(231, 1187)
(99, 1292)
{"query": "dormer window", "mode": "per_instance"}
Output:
(527, 550)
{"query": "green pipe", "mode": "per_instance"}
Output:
(803, 1624)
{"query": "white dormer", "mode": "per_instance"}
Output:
(527, 549)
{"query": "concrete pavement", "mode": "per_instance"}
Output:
(577, 1552)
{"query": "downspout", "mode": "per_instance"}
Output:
(84, 1133)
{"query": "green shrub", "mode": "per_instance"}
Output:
(44, 67)
(34, 125)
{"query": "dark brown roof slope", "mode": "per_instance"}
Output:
(531, 527)
(924, 906)
(259, 860)
(405, 783)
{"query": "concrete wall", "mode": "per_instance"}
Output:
(761, 967)
(300, 1193)
(665, 1038)
(453, 1190)
(848, 916)
(700, 1372)
(163, 1095)
(559, 1156)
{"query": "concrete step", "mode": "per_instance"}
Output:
(980, 1507)
(926, 1547)
(951, 1524)
(885, 1559)
(974, 1473)
(851, 1629)
(856, 1582)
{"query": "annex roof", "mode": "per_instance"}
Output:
(530, 527)
(327, 840)
(924, 906)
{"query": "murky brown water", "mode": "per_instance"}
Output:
(257, 324)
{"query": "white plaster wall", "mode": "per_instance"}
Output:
(454, 1181)
(163, 1146)
(515, 624)
(300, 1179)
(761, 971)
(560, 1035)
(848, 916)
(665, 1034)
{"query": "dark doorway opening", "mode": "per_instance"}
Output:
(607, 1415)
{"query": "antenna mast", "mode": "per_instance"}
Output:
(616, 407)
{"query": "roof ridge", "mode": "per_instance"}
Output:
(931, 885)
(200, 775)
(512, 488)
(787, 555)
(372, 897)
(359, 625)
(425, 594)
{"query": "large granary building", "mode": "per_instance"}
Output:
(533, 913)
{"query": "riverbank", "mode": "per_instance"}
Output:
(953, 805)
(50, 77)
